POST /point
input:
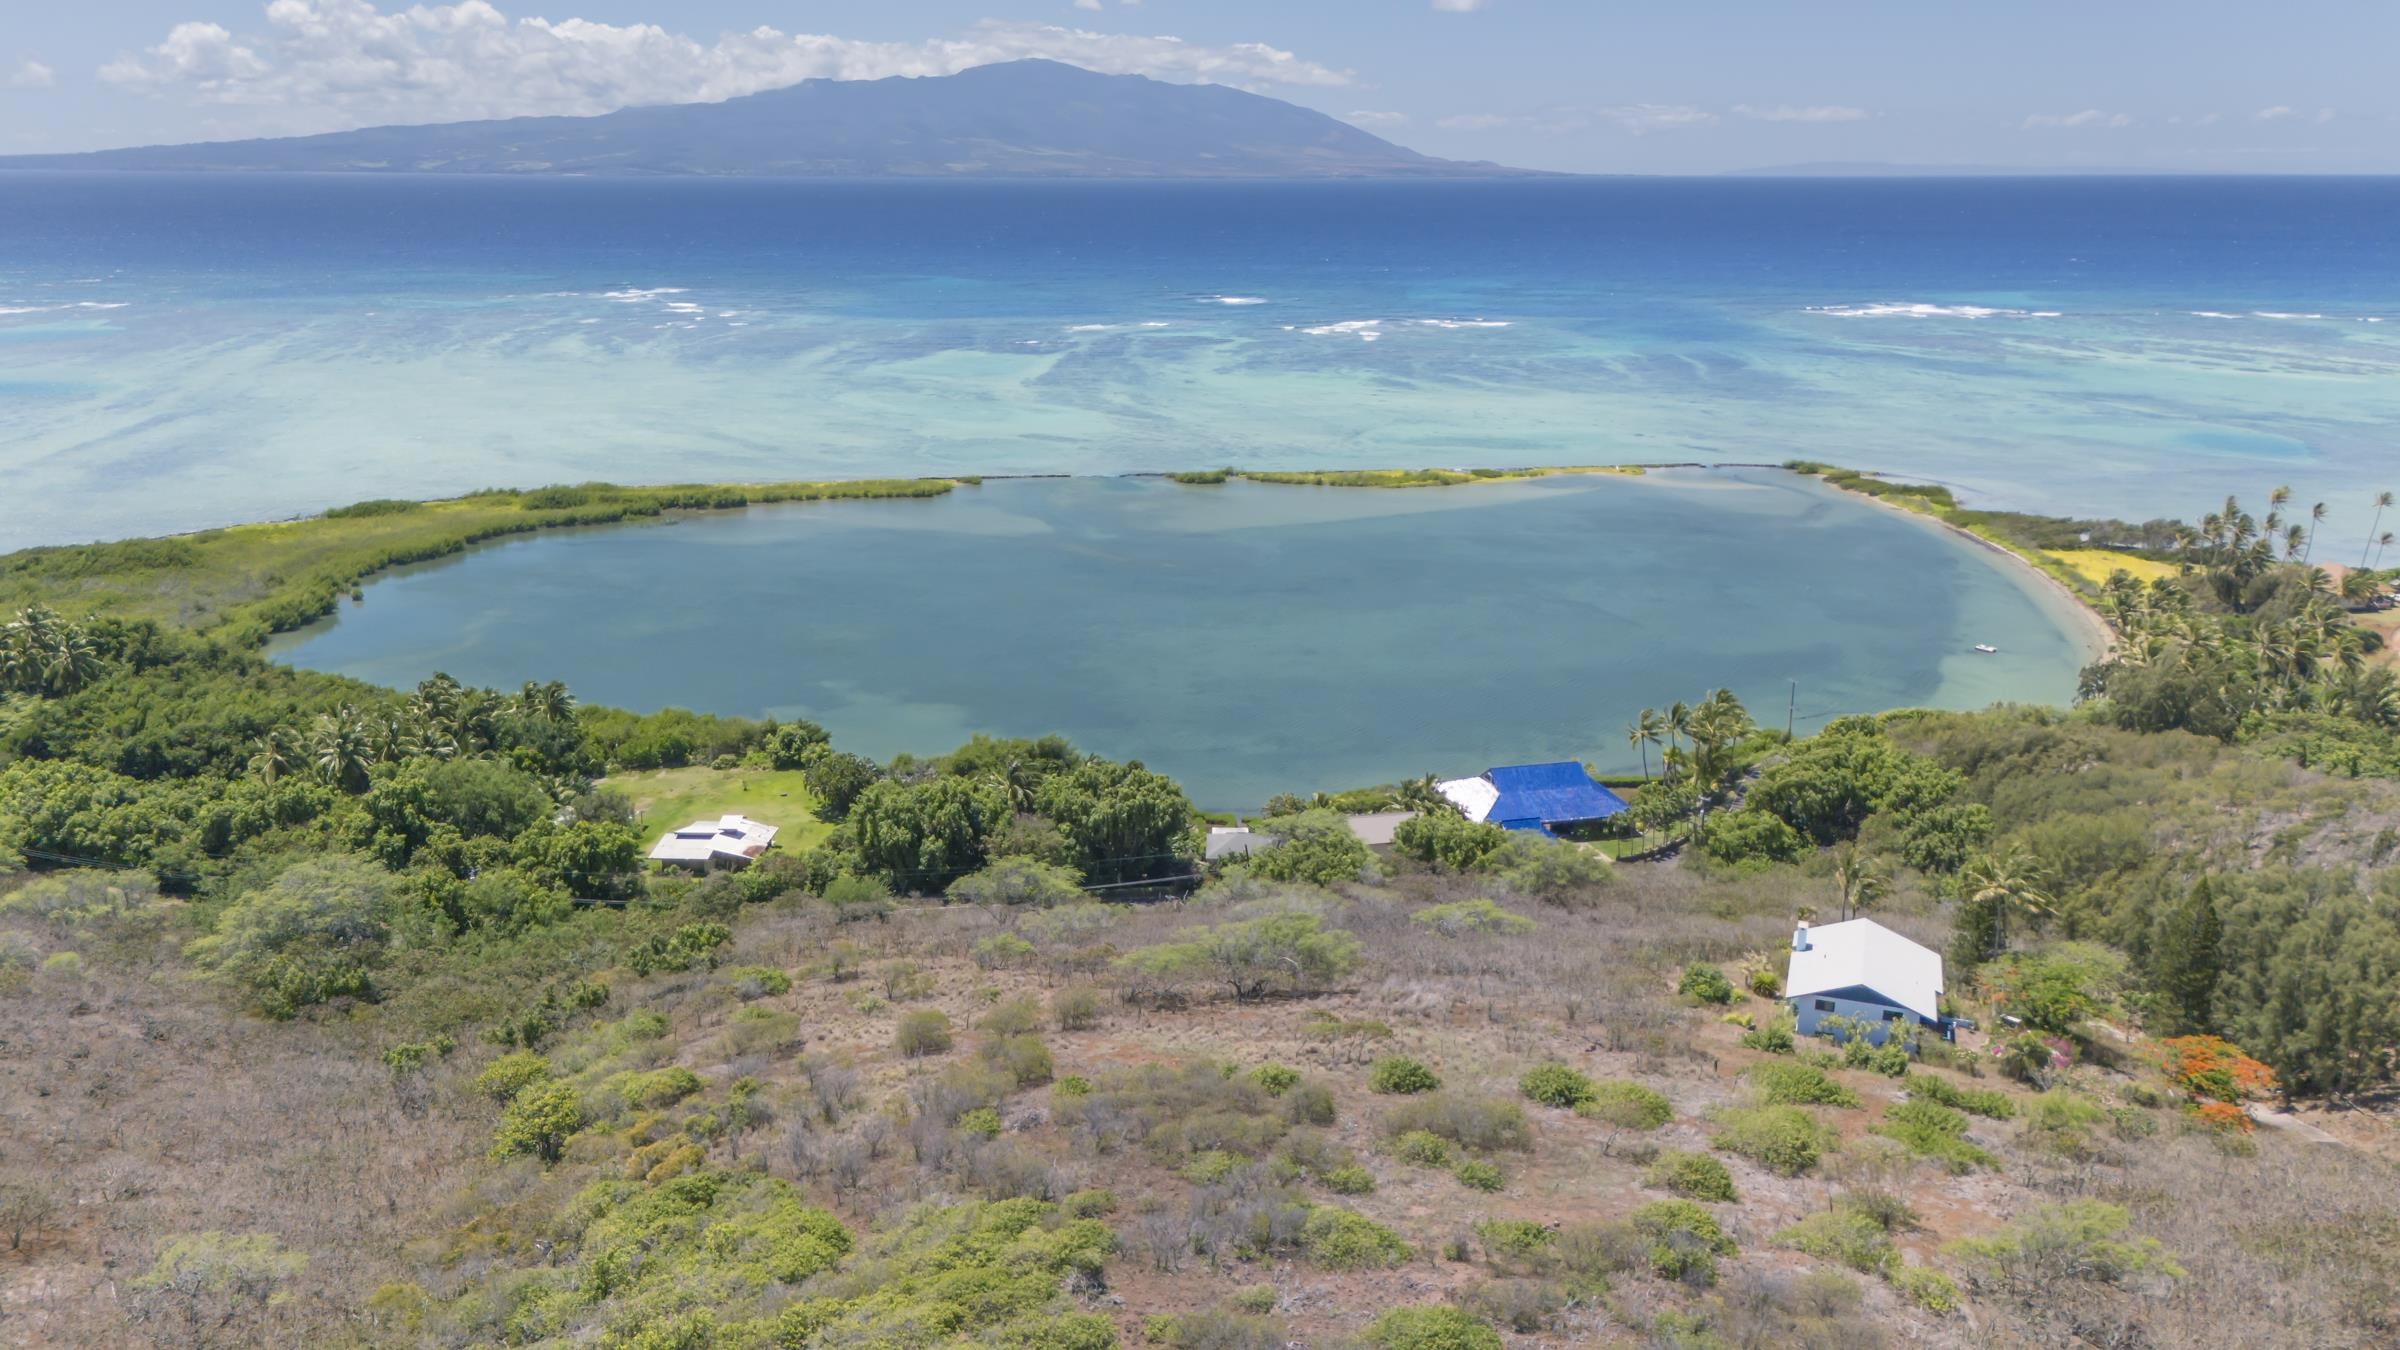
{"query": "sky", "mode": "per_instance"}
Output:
(1600, 86)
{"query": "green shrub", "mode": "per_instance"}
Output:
(1072, 1087)
(1931, 1130)
(983, 1122)
(1797, 1085)
(1472, 918)
(1628, 1106)
(1775, 1038)
(1437, 1328)
(1023, 1058)
(1076, 1009)
(1783, 1139)
(1216, 1329)
(922, 1033)
(1002, 951)
(1089, 1204)
(538, 1121)
(1483, 1124)
(1514, 1240)
(1350, 1180)
(1400, 1076)
(1685, 1240)
(1556, 1085)
(1018, 1016)
(1210, 1167)
(1985, 1102)
(1479, 1176)
(1275, 1078)
(1766, 983)
(656, 1089)
(1422, 1147)
(1338, 1239)
(1694, 1176)
(1927, 1288)
(1704, 983)
(2078, 1240)
(1889, 1059)
(1845, 1236)
(749, 982)
(510, 1074)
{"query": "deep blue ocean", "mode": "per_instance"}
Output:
(177, 352)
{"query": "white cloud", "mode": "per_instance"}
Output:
(2274, 114)
(1784, 112)
(1087, 4)
(1474, 122)
(2089, 117)
(326, 63)
(1459, 6)
(1367, 118)
(2325, 115)
(32, 75)
(1643, 118)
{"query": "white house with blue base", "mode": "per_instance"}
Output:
(1863, 972)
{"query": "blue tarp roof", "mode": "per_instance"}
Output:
(1533, 796)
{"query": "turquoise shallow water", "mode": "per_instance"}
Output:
(179, 352)
(1247, 639)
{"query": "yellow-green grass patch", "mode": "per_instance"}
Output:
(671, 797)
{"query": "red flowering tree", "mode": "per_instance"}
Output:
(2217, 1076)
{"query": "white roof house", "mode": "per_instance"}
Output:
(1474, 797)
(729, 841)
(1861, 961)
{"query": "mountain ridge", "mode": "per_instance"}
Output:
(1018, 119)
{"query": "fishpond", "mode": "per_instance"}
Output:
(1248, 639)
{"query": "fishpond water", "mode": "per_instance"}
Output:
(1247, 639)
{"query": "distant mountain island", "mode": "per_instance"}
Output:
(1877, 169)
(1020, 119)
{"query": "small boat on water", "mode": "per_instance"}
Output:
(1986, 648)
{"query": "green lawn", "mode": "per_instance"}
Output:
(671, 797)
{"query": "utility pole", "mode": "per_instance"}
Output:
(1791, 710)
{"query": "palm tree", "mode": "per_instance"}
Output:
(1646, 730)
(547, 702)
(1678, 720)
(2316, 517)
(1860, 880)
(278, 754)
(2382, 542)
(2005, 881)
(2382, 501)
(2294, 540)
(342, 747)
(71, 661)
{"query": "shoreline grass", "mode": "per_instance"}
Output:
(1398, 478)
(243, 583)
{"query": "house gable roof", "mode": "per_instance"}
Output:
(1863, 955)
(1533, 796)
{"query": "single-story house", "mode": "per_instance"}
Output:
(1535, 797)
(727, 842)
(1374, 828)
(1236, 841)
(1865, 972)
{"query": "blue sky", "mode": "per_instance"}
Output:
(1588, 85)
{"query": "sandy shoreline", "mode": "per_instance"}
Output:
(2096, 637)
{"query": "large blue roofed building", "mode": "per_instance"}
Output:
(1537, 797)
